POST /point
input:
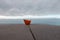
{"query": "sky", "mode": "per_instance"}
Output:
(29, 7)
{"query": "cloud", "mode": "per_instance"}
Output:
(29, 7)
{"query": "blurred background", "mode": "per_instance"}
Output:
(13, 8)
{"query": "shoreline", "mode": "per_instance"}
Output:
(21, 32)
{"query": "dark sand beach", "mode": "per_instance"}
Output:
(21, 32)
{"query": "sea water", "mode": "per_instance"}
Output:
(51, 21)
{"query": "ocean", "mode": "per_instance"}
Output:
(50, 21)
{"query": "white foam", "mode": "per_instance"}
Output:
(29, 17)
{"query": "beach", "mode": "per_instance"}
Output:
(21, 32)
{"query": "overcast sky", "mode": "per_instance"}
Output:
(29, 7)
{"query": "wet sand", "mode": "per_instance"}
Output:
(21, 32)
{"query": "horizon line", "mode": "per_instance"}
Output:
(29, 17)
